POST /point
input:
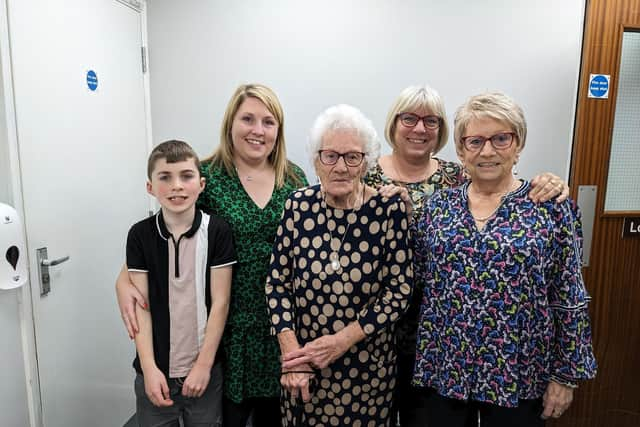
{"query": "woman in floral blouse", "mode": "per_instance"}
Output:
(504, 333)
(417, 130)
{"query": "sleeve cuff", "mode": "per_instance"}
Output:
(226, 264)
(367, 327)
(275, 331)
(563, 381)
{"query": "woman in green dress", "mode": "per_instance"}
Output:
(248, 179)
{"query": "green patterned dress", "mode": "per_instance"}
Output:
(252, 367)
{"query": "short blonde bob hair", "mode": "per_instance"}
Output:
(345, 118)
(491, 105)
(414, 98)
(223, 155)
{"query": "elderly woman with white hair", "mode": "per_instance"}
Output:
(339, 279)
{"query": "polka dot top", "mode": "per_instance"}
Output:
(370, 282)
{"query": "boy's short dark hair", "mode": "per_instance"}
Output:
(172, 151)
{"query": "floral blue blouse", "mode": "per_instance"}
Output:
(504, 308)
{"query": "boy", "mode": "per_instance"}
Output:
(180, 259)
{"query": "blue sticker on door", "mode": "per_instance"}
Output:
(92, 80)
(599, 86)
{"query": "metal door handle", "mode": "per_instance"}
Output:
(43, 266)
(48, 263)
(587, 196)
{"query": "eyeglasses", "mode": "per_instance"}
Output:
(351, 158)
(499, 141)
(411, 120)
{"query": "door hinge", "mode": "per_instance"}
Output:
(143, 52)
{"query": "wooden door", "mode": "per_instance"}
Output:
(613, 273)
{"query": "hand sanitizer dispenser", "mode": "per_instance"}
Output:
(13, 252)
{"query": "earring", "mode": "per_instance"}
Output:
(465, 172)
(515, 168)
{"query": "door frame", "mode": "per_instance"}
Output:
(27, 326)
(29, 292)
(605, 23)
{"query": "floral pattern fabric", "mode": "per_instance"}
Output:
(504, 308)
(447, 175)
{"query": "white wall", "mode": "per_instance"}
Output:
(364, 52)
(13, 391)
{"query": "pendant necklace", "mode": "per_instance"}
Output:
(246, 177)
(334, 257)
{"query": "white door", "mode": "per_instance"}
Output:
(82, 156)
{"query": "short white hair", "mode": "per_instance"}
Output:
(348, 118)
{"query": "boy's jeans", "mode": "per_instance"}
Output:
(203, 411)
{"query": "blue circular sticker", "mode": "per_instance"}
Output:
(599, 86)
(92, 80)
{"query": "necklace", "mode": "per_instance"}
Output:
(502, 198)
(254, 174)
(484, 218)
(334, 256)
(246, 177)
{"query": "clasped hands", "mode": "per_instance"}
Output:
(157, 389)
(298, 365)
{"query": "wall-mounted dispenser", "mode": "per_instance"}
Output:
(13, 252)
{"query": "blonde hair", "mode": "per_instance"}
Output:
(492, 105)
(414, 98)
(223, 155)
